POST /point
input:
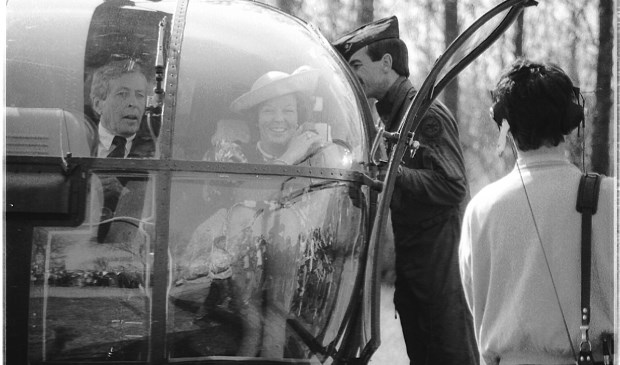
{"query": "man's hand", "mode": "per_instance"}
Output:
(384, 169)
(111, 185)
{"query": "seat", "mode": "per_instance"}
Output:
(47, 132)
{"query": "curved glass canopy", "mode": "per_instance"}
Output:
(226, 49)
(196, 246)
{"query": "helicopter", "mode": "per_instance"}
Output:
(200, 259)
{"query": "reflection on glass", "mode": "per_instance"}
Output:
(255, 257)
(89, 300)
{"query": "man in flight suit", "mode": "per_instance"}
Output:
(426, 205)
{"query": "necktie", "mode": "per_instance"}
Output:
(118, 147)
(111, 197)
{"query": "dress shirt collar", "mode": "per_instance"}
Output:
(105, 142)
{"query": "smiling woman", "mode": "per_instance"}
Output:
(278, 103)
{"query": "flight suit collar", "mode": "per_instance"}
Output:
(392, 103)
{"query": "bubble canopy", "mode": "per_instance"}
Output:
(203, 242)
(224, 52)
(214, 51)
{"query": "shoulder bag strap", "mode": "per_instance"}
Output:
(587, 203)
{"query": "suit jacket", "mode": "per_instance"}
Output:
(124, 195)
(143, 145)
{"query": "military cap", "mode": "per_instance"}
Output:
(369, 33)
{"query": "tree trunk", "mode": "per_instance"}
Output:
(291, 7)
(518, 36)
(602, 112)
(366, 12)
(451, 93)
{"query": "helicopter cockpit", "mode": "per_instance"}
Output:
(204, 240)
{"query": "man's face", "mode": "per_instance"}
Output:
(122, 110)
(371, 74)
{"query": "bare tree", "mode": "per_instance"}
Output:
(518, 36)
(604, 101)
(366, 11)
(451, 94)
(290, 6)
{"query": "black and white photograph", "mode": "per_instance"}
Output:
(339, 182)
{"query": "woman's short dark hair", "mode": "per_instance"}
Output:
(396, 48)
(539, 102)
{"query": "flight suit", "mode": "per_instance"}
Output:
(429, 192)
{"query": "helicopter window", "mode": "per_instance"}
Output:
(89, 292)
(51, 63)
(257, 261)
(44, 114)
(119, 73)
(224, 85)
(252, 265)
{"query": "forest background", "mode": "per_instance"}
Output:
(577, 35)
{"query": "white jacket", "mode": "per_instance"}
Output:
(507, 283)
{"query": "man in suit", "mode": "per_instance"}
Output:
(118, 97)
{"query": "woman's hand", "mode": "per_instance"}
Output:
(305, 143)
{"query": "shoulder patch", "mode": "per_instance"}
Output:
(431, 128)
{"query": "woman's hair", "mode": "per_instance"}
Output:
(539, 102)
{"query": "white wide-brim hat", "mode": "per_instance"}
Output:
(277, 83)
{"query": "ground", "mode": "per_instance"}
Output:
(392, 350)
